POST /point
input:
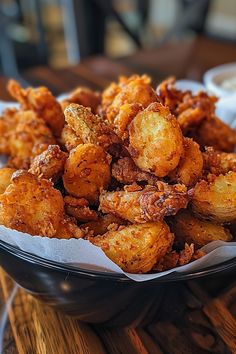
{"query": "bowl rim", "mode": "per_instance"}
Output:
(102, 275)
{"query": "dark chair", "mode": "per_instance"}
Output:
(16, 54)
(85, 32)
(194, 15)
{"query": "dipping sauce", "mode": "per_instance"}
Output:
(229, 84)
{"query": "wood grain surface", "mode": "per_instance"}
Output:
(205, 322)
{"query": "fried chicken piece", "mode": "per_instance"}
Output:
(169, 261)
(42, 102)
(156, 140)
(125, 171)
(194, 110)
(186, 255)
(195, 114)
(115, 88)
(189, 169)
(69, 139)
(201, 99)
(8, 123)
(108, 96)
(217, 162)
(91, 128)
(5, 178)
(83, 96)
(49, 164)
(29, 137)
(169, 95)
(79, 209)
(215, 198)
(124, 117)
(152, 203)
(136, 248)
(190, 119)
(189, 229)
(87, 171)
(189, 109)
(68, 229)
(31, 205)
(198, 254)
(213, 132)
(103, 224)
(174, 259)
(135, 89)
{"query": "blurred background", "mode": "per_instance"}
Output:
(63, 32)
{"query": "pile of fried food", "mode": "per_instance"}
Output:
(147, 175)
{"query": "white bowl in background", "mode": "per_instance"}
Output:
(221, 80)
(185, 85)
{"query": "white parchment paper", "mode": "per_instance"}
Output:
(83, 254)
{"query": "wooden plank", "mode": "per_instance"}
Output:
(39, 329)
(122, 340)
(172, 339)
(148, 342)
(185, 328)
(218, 314)
(8, 345)
(223, 322)
(229, 298)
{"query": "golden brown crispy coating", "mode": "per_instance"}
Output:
(194, 109)
(144, 134)
(49, 164)
(42, 102)
(31, 205)
(29, 137)
(79, 209)
(189, 229)
(217, 162)
(152, 203)
(108, 96)
(68, 229)
(5, 178)
(125, 171)
(135, 89)
(215, 199)
(136, 248)
(200, 99)
(91, 128)
(87, 171)
(169, 261)
(8, 123)
(156, 141)
(103, 224)
(186, 255)
(190, 119)
(168, 93)
(124, 117)
(189, 169)
(189, 109)
(213, 132)
(83, 96)
(69, 139)
(174, 259)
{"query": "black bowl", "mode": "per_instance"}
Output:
(92, 296)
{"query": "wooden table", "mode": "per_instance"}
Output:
(205, 322)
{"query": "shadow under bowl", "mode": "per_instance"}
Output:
(93, 296)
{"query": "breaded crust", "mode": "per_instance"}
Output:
(156, 141)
